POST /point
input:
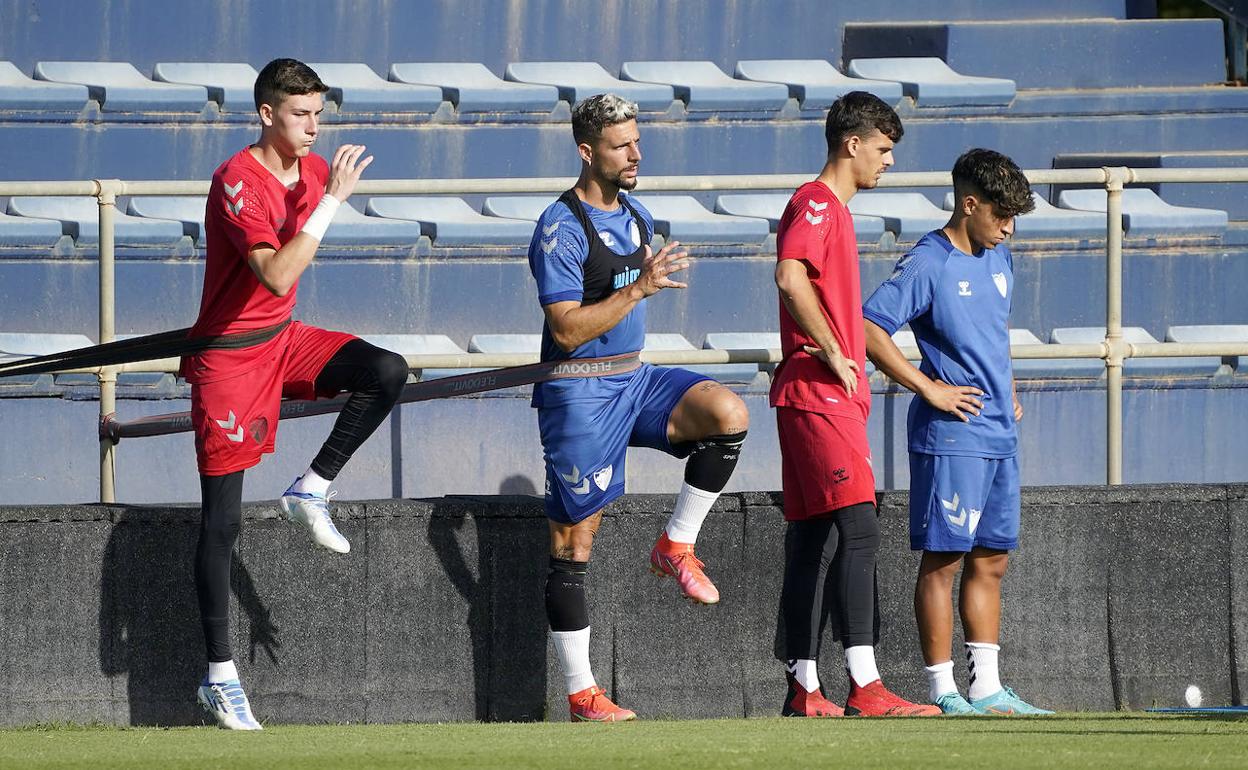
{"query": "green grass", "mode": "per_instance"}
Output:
(1083, 740)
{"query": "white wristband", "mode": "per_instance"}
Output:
(318, 223)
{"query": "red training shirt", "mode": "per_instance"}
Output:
(818, 230)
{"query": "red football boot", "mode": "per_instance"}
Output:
(677, 560)
(593, 705)
(800, 703)
(875, 700)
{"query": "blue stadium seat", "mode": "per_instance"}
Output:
(704, 87)
(908, 215)
(18, 92)
(1047, 221)
(932, 83)
(419, 344)
(815, 83)
(28, 231)
(729, 373)
(1213, 195)
(1139, 367)
(770, 206)
(1051, 368)
(505, 343)
(230, 84)
(577, 80)
(526, 207)
(473, 88)
(356, 88)
(1146, 215)
(682, 218)
(452, 222)
(187, 209)
(351, 228)
(1237, 333)
(80, 217)
(119, 87)
(18, 345)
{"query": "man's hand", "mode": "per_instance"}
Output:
(845, 369)
(954, 399)
(345, 171)
(656, 268)
(1018, 410)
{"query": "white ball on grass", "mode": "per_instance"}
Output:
(1192, 696)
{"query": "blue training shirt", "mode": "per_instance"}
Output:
(958, 306)
(557, 257)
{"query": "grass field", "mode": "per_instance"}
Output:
(1074, 740)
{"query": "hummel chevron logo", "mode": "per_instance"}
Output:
(814, 220)
(228, 425)
(818, 206)
(549, 246)
(951, 507)
(237, 208)
(549, 230)
(575, 476)
(235, 190)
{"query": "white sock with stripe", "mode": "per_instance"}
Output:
(805, 671)
(981, 659)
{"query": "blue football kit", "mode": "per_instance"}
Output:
(964, 475)
(583, 254)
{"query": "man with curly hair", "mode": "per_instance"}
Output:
(954, 288)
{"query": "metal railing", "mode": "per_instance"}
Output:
(1113, 350)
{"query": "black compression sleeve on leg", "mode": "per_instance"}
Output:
(220, 520)
(853, 570)
(375, 379)
(567, 608)
(712, 461)
(808, 548)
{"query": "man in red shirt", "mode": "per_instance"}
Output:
(822, 400)
(268, 209)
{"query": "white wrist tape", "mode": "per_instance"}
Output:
(318, 223)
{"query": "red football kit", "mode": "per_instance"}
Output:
(236, 394)
(825, 457)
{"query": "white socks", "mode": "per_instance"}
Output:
(572, 649)
(222, 672)
(981, 659)
(860, 661)
(692, 505)
(806, 672)
(311, 483)
(940, 680)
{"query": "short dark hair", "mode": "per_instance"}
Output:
(989, 175)
(286, 77)
(858, 113)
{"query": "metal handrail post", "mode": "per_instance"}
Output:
(1114, 347)
(107, 197)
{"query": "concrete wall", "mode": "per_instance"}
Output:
(1118, 598)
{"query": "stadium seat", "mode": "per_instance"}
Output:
(28, 231)
(682, 218)
(1144, 214)
(1139, 367)
(728, 373)
(230, 84)
(473, 88)
(80, 218)
(452, 222)
(704, 87)
(187, 209)
(356, 88)
(351, 228)
(770, 206)
(1212, 333)
(18, 92)
(1051, 368)
(577, 80)
(119, 87)
(1212, 195)
(18, 345)
(904, 338)
(505, 343)
(932, 83)
(1050, 222)
(526, 207)
(815, 83)
(909, 216)
(416, 345)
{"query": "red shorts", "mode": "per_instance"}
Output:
(236, 394)
(825, 463)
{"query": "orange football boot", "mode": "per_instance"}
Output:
(677, 560)
(593, 705)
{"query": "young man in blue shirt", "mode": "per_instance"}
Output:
(954, 288)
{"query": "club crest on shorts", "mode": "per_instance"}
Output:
(259, 429)
(999, 280)
(602, 478)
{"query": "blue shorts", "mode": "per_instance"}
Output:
(585, 442)
(959, 503)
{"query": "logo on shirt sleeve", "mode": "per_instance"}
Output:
(234, 200)
(814, 217)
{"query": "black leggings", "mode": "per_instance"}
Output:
(375, 377)
(842, 546)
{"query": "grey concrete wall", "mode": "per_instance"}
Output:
(1118, 598)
